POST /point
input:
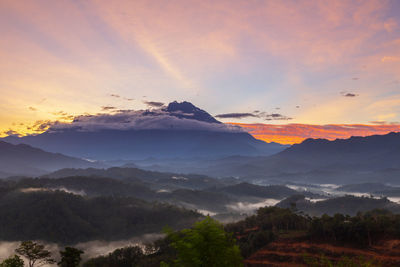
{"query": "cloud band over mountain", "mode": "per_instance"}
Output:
(140, 120)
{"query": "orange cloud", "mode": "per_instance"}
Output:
(296, 133)
(390, 59)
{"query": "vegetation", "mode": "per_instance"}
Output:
(258, 230)
(149, 256)
(53, 215)
(68, 218)
(35, 253)
(347, 205)
(206, 244)
(362, 230)
(70, 257)
(12, 261)
(323, 261)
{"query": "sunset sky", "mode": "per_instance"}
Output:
(299, 67)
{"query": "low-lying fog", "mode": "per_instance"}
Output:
(333, 190)
(235, 211)
(91, 249)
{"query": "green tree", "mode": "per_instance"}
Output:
(205, 245)
(70, 257)
(35, 253)
(14, 261)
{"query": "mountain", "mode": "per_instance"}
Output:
(367, 153)
(26, 160)
(180, 130)
(188, 111)
(355, 160)
(193, 181)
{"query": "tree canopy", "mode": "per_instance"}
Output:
(35, 253)
(70, 257)
(13, 261)
(206, 244)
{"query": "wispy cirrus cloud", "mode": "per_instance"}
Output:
(108, 108)
(235, 115)
(154, 104)
(255, 114)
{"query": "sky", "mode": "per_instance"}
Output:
(278, 64)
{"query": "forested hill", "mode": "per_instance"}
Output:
(68, 218)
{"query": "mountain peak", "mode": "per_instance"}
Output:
(189, 111)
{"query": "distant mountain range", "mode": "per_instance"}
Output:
(179, 130)
(366, 153)
(182, 138)
(26, 160)
(357, 159)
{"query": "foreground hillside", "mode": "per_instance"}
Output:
(290, 252)
(281, 237)
(275, 237)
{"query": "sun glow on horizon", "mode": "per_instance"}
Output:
(290, 134)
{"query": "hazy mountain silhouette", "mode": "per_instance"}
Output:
(367, 153)
(26, 160)
(179, 130)
(357, 159)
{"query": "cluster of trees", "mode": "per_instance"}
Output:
(362, 230)
(36, 255)
(344, 205)
(209, 243)
(149, 255)
(205, 244)
(67, 218)
(262, 228)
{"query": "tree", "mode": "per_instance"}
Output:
(122, 257)
(70, 257)
(206, 244)
(35, 253)
(14, 261)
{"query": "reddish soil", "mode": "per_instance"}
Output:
(291, 253)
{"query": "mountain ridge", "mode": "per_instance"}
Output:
(24, 159)
(179, 130)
